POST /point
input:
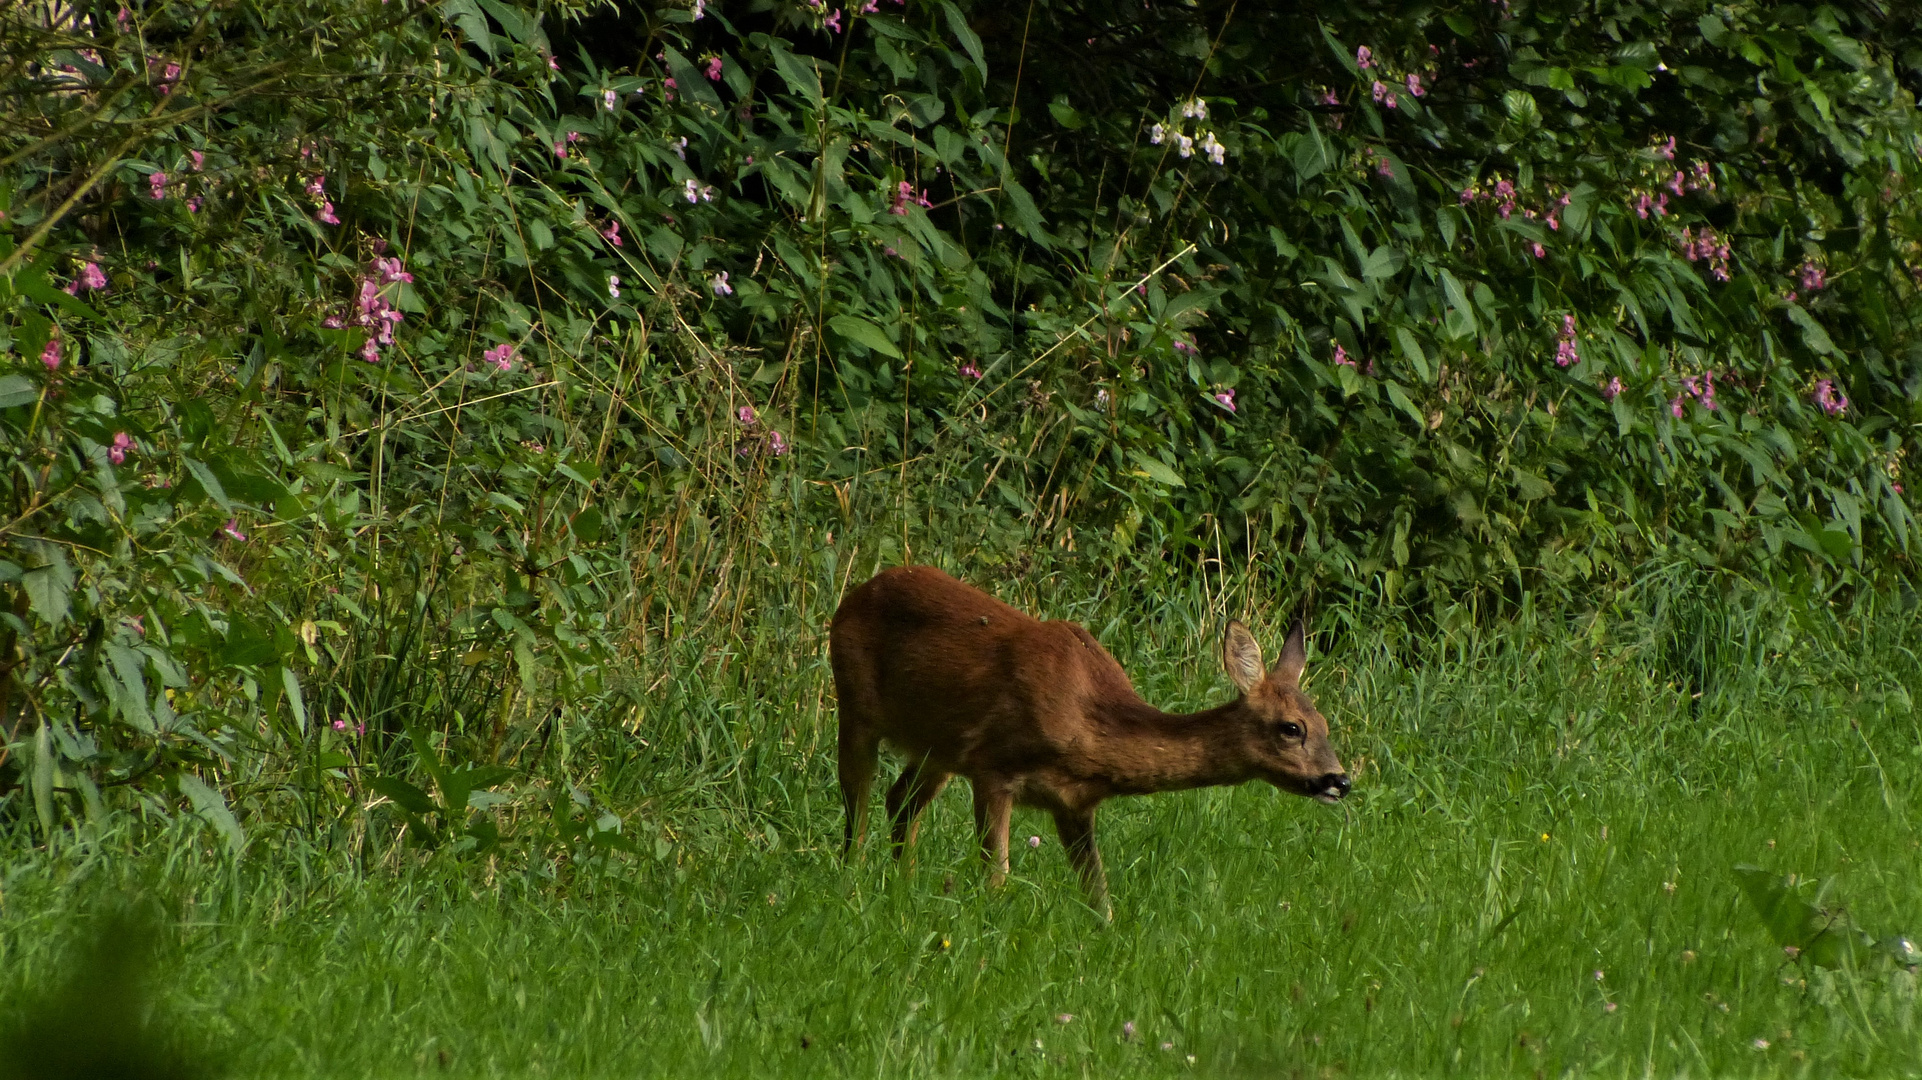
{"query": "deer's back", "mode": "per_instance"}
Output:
(949, 674)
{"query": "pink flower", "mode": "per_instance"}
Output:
(332, 322)
(1612, 389)
(124, 17)
(391, 271)
(1675, 184)
(1675, 405)
(1414, 85)
(719, 284)
(370, 351)
(1128, 1030)
(1384, 167)
(91, 277)
(232, 530)
(746, 415)
(157, 185)
(50, 355)
(1186, 349)
(1378, 90)
(1227, 399)
(560, 150)
(1341, 356)
(122, 442)
(317, 187)
(1666, 150)
(501, 356)
(714, 69)
(1830, 401)
(1328, 97)
(970, 371)
(668, 88)
(1538, 249)
(193, 205)
(775, 444)
(833, 22)
(1388, 99)
(1364, 58)
(139, 622)
(326, 215)
(553, 64)
(612, 233)
(1813, 276)
(200, 159)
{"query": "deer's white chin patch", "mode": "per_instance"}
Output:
(1329, 797)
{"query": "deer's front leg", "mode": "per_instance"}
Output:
(1076, 828)
(992, 807)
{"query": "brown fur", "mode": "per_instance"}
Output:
(1038, 713)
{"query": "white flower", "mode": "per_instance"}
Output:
(607, 99)
(1156, 134)
(679, 146)
(720, 286)
(692, 190)
(1216, 152)
(1195, 109)
(1185, 145)
(613, 287)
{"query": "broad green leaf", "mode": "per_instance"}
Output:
(1156, 469)
(211, 805)
(864, 333)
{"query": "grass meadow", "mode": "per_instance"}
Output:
(1535, 876)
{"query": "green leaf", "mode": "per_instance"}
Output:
(1816, 338)
(1401, 400)
(466, 15)
(864, 333)
(48, 580)
(208, 483)
(405, 795)
(130, 686)
(295, 703)
(1522, 109)
(971, 41)
(799, 76)
(1411, 348)
(211, 805)
(17, 390)
(1155, 469)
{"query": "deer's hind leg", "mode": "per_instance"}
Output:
(993, 806)
(1077, 835)
(858, 754)
(911, 794)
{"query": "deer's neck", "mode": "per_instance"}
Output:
(1151, 750)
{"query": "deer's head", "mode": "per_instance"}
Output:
(1284, 736)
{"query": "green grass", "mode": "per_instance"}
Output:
(1536, 802)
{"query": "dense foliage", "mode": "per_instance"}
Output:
(384, 381)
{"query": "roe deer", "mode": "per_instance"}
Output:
(1039, 713)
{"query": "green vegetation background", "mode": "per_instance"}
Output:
(436, 436)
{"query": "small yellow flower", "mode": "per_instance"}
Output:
(1544, 838)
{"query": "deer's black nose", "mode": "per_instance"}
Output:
(1335, 784)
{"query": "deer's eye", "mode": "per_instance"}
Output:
(1290, 730)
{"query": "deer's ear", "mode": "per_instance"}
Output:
(1294, 656)
(1241, 656)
